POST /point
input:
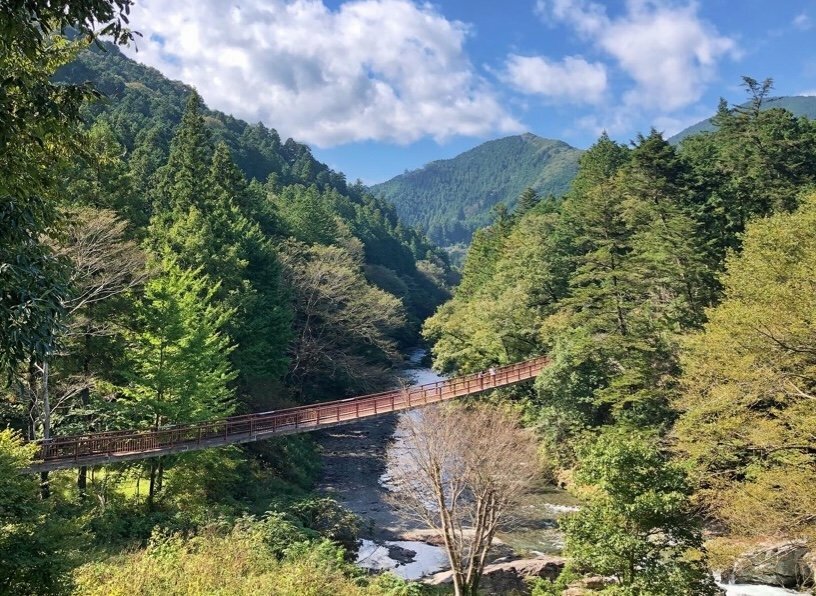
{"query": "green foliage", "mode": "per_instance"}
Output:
(749, 380)
(450, 199)
(513, 278)
(637, 523)
(754, 164)
(37, 128)
(275, 554)
(545, 587)
(32, 542)
(32, 285)
(180, 369)
(218, 561)
(38, 125)
(326, 517)
(798, 105)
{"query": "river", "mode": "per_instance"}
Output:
(356, 463)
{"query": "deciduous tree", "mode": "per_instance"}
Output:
(462, 470)
(748, 423)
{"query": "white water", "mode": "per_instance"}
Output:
(756, 590)
(427, 559)
(430, 559)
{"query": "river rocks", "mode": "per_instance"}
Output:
(588, 585)
(807, 568)
(785, 564)
(401, 555)
(508, 577)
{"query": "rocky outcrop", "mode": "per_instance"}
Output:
(785, 564)
(807, 566)
(588, 585)
(508, 577)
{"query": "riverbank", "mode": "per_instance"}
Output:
(356, 460)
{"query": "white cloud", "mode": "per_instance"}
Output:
(573, 78)
(385, 70)
(803, 22)
(808, 92)
(667, 50)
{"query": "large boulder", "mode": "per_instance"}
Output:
(807, 568)
(508, 577)
(785, 564)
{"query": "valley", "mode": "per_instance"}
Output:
(215, 348)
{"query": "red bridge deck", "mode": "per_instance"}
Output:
(110, 447)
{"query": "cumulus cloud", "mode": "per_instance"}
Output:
(573, 78)
(668, 51)
(385, 70)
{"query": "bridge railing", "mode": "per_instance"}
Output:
(249, 426)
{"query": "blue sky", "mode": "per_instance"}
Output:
(376, 87)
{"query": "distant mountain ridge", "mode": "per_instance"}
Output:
(449, 199)
(799, 105)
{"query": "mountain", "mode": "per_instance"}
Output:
(450, 199)
(799, 105)
(141, 110)
(140, 103)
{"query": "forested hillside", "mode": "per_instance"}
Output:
(163, 264)
(450, 199)
(672, 289)
(799, 105)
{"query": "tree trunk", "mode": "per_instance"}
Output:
(160, 475)
(82, 481)
(85, 400)
(151, 490)
(32, 400)
(45, 485)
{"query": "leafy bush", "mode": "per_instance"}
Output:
(251, 557)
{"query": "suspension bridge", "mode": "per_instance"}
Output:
(118, 446)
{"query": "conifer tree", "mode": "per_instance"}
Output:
(181, 182)
(667, 256)
(251, 280)
(179, 352)
(528, 199)
(179, 368)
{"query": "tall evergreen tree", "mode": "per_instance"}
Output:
(754, 164)
(251, 280)
(181, 183)
(667, 255)
(527, 200)
(179, 354)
